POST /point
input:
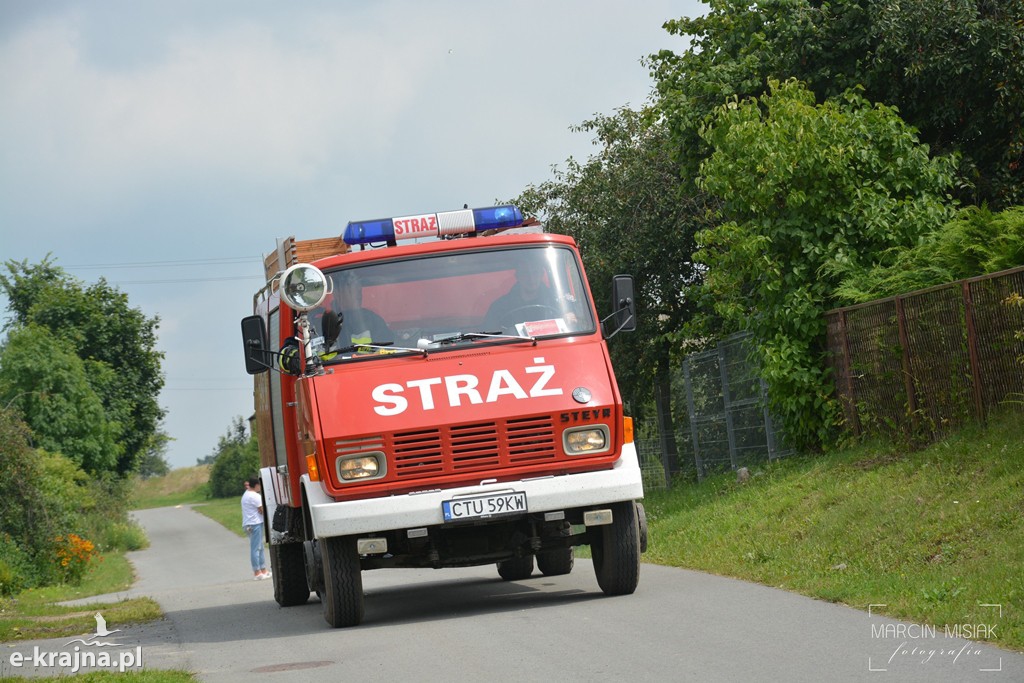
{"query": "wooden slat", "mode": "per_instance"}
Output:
(303, 251)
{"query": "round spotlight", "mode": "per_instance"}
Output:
(303, 287)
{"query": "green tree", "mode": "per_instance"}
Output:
(153, 462)
(116, 342)
(953, 68)
(624, 208)
(236, 459)
(49, 386)
(812, 194)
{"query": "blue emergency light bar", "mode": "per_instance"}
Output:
(433, 225)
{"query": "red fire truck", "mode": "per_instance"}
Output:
(441, 402)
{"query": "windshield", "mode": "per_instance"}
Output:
(436, 302)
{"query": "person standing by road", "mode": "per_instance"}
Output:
(252, 522)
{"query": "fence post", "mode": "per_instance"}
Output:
(666, 435)
(726, 403)
(769, 426)
(972, 352)
(908, 379)
(692, 414)
(851, 397)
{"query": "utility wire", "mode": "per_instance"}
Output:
(169, 264)
(193, 279)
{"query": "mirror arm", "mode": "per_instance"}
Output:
(255, 346)
(629, 318)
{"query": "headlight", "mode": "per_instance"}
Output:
(361, 467)
(586, 440)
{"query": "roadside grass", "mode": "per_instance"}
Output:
(179, 487)
(145, 676)
(936, 536)
(34, 614)
(225, 511)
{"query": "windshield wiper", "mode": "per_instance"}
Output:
(463, 336)
(383, 346)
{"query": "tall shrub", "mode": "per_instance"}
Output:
(811, 192)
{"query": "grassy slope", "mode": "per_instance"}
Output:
(186, 485)
(934, 534)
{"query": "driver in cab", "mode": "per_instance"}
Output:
(529, 299)
(351, 324)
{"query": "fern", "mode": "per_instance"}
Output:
(975, 242)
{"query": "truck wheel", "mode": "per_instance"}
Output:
(289, 567)
(616, 551)
(516, 569)
(314, 566)
(343, 581)
(641, 518)
(556, 562)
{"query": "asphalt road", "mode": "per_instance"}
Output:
(468, 625)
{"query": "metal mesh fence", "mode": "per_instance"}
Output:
(924, 362)
(726, 405)
(920, 363)
(651, 463)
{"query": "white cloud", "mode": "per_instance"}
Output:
(241, 101)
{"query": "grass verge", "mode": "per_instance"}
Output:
(146, 676)
(934, 535)
(225, 511)
(34, 614)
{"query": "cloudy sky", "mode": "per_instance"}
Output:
(165, 145)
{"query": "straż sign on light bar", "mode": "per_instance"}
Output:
(415, 226)
(433, 224)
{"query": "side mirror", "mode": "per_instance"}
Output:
(254, 340)
(623, 304)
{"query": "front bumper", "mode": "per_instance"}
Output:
(413, 510)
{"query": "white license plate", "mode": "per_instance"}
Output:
(482, 507)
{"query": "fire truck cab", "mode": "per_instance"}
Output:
(441, 403)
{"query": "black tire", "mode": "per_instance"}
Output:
(289, 566)
(616, 551)
(516, 569)
(343, 582)
(314, 564)
(641, 518)
(556, 562)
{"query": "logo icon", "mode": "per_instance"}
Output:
(101, 632)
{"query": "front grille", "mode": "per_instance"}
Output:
(472, 447)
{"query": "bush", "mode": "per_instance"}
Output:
(55, 518)
(123, 536)
(236, 459)
(233, 466)
(16, 571)
(38, 490)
